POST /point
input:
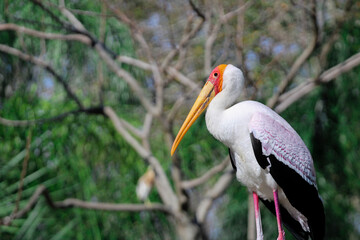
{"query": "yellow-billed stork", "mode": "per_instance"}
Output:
(269, 157)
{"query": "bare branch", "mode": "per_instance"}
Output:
(46, 66)
(161, 180)
(141, 133)
(135, 29)
(215, 192)
(293, 95)
(300, 60)
(197, 10)
(73, 202)
(134, 62)
(60, 117)
(206, 176)
(104, 53)
(182, 78)
(214, 33)
(159, 87)
(75, 22)
(171, 71)
(146, 131)
(208, 47)
(129, 79)
(187, 36)
(119, 126)
(64, 24)
(69, 37)
(89, 13)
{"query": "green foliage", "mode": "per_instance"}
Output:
(81, 156)
(64, 159)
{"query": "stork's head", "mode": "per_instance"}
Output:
(212, 87)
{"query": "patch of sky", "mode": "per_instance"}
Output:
(266, 43)
(294, 48)
(252, 59)
(153, 20)
(47, 87)
(278, 49)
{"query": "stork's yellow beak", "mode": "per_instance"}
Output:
(201, 103)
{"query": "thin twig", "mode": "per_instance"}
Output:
(196, 10)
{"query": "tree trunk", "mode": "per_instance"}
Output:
(186, 230)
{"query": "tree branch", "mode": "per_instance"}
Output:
(46, 66)
(300, 59)
(64, 24)
(196, 10)
(171, 71)
(69, 37)
(134, 62)
(214, 32)
(60, 117)
(128, 78)
(104, 53)
(134, 28)
(162, 183)
(215, 192)
(77, 203)
(206, 176)
(74, 21)
(288, 98)
(187, 36)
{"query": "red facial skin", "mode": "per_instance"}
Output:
(216, 78)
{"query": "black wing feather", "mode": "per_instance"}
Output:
(303, 196)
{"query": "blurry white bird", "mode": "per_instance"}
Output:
(269, 157)
(145, 184)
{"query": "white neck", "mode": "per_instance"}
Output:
(232, 87)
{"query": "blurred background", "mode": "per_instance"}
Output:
(93, 92)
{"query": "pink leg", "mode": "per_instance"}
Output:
(278, 217)
(259, 232)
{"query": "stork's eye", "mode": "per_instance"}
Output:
(216, 74)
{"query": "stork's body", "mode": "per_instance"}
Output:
(237, 138)
(269, 157)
